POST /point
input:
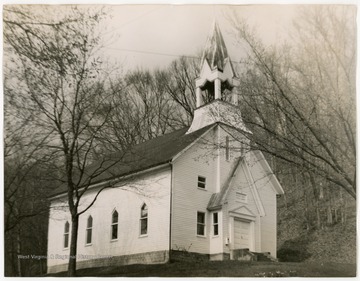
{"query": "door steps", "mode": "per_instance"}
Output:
(247, 255)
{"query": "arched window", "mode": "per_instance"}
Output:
(89, 227)
(114, 225)
(66, 234)
(144, 220)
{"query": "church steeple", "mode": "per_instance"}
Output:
(215, 100)
(215, 52)
(217, 76)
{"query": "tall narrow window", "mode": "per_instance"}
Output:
(66, 235)
(200, 224)
(215, 224)
(114, 225)
(201, 182)
(144, 220)
(227, 148)
(89, 227)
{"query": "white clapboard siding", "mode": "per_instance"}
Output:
(267, 195)
(152, 189)
(188, 199)
(205, 159)
(241, 184)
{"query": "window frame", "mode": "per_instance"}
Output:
(66, 235)
(215, 224)
(144, 218)
(201, 181)
(114, 224)
(201, 224)
(89, 230)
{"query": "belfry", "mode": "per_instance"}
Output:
(217, 76)
(215, 99)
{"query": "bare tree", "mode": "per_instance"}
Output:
(181, 84)
(300, 100)
(24, 190)
(62, 90)
(147, 104)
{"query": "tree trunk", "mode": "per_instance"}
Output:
(331, 204)
(342, 208)
(318, 216)
(18, 252)
(329, 216)
(321, 192)
(307, 214)
(73, 246)
(343, 213)
(336, 215)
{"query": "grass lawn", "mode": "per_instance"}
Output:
(224, 269)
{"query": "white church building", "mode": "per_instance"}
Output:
(199, 189)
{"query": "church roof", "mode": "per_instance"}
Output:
(215, 52)
(142, 156)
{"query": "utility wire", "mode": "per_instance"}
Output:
(152, 53)
(157, 54)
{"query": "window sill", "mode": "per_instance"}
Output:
(114, 240)
(143, 236)
(200, 236)
(203, 189)
(87, 245)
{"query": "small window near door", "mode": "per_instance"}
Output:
(200, 224)
(215, 224)
(201, 182)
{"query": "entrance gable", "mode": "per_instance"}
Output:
(242, 192)
(242, 212)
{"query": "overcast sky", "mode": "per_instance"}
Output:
(151, 36)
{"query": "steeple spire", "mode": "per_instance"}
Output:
(215, 52)
(217, 73)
